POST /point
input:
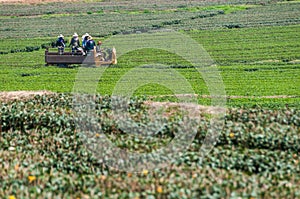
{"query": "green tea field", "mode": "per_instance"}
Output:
(203, 102)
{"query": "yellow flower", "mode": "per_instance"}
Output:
(145, 172)
(11, 197)
(97, 135)
(159, 189)
(103, 177)
(129, 175)
(295, 156)
(17, 167)
(231, 135)
(31, 178)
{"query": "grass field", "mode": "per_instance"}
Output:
(43, 139)
(252, 61)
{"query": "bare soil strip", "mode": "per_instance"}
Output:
(21, 95)
(229, 96)
(33, 1)
(193, 110)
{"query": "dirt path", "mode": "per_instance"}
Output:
(12, 95)
(21, 95)
(229, 96)
(32, 1)
(192, 109)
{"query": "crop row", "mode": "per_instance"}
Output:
(44, 154)
(254, 128)
(120, 7)
(105, 24)
(249, 82)
(226, 47)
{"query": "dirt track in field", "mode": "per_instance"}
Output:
(228, 96)
(32, 1)
(194, 110)
(21, 95)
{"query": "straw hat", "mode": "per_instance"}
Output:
(86, 34)
(75, 35)
(60, 36)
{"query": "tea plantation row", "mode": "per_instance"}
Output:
(42, 155)
(124, 20)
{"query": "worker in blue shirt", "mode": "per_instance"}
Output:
(90, 45)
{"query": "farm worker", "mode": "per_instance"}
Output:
(98, 48)
(90, 44)
(75, 44)
(84, 40)
(98, 51)
(60, 43)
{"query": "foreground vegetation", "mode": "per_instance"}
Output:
(255, 46)
(256, 155)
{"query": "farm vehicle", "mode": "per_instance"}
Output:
(106, 56)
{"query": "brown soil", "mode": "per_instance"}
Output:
(229, 96)
(193, 110)
(32, 1)
(21, 95)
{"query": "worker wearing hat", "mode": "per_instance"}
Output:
(75, 44)
(90, 44)
(60, 43)
(84, 40)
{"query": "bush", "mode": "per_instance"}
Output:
(230, 26)
(31, 48)
(171, 22)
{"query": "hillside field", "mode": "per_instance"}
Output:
(245, 94)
